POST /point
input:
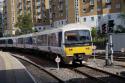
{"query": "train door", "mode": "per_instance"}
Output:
(60, 39)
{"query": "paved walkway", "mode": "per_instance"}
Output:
(12, 71)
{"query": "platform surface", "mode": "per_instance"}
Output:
(12, 71)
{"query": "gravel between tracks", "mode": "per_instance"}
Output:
(67, 75)
(107, 78)
(64, 74)
(39, 75)
(100, 64)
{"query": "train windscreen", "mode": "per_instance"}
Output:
(77, 37)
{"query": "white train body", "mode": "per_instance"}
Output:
(54, 41)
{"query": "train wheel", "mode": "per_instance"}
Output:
(80, 62)
(74, 62)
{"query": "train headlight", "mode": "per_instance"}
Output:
(87, 48)
(70, 49)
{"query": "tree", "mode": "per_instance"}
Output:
(94, 32)
(25, 23)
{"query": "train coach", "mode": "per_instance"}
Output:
(72, 42)
(3, 42)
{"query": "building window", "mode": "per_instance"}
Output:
(92, 18)
(99, 17)
(108, 6)
(61, 14)
(109, 16)
(62, 23)
(117, 5)
(84, 10)
(39, 28)
(77, 19)
(108, 1)
(84, 1)
(91, 9)
(84, 19)
(91, 2)
(99, 8)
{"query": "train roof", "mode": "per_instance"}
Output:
(73, 26)
(76, 25)
(25, 35)
(3, 38)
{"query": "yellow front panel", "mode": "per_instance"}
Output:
(70, 51)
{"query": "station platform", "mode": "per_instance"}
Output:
(118, 67)
(12, 71)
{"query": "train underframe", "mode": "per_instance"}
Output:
(77, 58)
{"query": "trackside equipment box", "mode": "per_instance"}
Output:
(118, 41)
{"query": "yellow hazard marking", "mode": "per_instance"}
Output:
(70, 51)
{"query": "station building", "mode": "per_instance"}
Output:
(40, 12)
(99, 12)
(94, 13)
(55, 13)
(38, 9)
(1, 19)
(9, 15)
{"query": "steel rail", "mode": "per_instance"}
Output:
(40, 67)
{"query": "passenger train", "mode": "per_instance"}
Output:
(72, 42)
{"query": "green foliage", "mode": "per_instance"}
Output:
(24, 23)
(99, 39)
(18, 32)
(94, 32)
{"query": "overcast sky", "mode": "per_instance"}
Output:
(1, 0)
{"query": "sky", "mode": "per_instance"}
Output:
(1, 0)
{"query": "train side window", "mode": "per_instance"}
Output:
(10, 41)
(28, 40)
(3, 42)
(42, 40)
(53, 39)
(60, 38)
(34, 40)
(20, 40)
(0, 41)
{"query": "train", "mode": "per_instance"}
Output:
(72, 42)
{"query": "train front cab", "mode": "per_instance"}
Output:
(77, 46)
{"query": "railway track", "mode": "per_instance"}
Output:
(99, 75)
(80, 78)
(26, 62)
(90, 75)
(117, 57)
